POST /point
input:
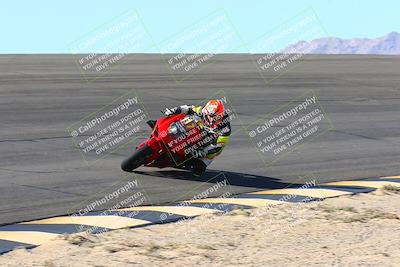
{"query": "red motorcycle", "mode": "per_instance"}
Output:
(174, 142)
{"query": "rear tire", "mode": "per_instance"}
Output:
(136, 159)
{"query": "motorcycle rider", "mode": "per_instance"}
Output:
(214, 120)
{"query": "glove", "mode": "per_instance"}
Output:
(170, 111)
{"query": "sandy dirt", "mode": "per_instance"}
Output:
(359, 230)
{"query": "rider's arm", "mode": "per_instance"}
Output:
(185, 109)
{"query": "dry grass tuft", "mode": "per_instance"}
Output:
(391, 189)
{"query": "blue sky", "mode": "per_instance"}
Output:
(51, 26)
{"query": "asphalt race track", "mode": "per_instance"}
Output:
(42, 174)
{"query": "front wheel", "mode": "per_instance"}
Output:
(136, 159)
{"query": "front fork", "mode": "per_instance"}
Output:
(155, 147)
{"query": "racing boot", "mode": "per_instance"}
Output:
(199, 167)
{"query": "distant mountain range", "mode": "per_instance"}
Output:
(386, 45)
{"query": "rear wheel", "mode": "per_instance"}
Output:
(136, 159)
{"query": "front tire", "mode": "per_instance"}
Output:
(136, 159)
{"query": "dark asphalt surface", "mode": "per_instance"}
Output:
(42, 174)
